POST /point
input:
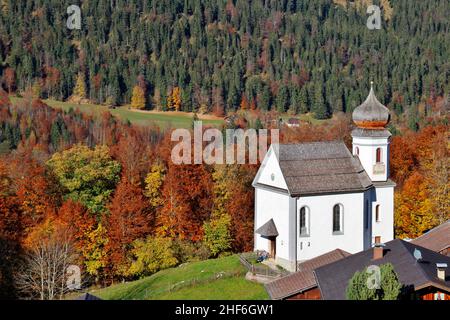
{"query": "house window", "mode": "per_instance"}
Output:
(439, 296)
(337, 218)
(357, 151)
(377, 213)
(378, 155)
(303, 222)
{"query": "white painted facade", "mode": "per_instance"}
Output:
(384, 227)
(321, 238)
(366, 149)
(273, 201)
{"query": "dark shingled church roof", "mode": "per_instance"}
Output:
(321, 167)
(268, 229)
(333, 278)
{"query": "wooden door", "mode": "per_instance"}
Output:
(272, 248)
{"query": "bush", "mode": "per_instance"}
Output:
(186, 251)
(217, 236)
(152, 255)
(389, 286)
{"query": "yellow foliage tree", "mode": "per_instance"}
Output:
(36, 90)
(80, 87)
(94, 253)
(175, 99)
(138, 98)
(153, 183)
(413, 208)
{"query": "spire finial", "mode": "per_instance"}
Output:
(371, 84)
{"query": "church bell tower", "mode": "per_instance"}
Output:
(371, 138)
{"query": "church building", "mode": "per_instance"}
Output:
(312, 198)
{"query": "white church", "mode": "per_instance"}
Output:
(311, 198)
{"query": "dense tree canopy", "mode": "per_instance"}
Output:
(214, 55)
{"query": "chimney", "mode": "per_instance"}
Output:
(378, 248)
(441, 270)
(377, 240)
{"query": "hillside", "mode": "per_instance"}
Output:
(221, 278)
(222, 55)
(138, 117)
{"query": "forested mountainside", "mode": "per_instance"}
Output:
(222, 55)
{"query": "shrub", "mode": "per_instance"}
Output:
(151, 255)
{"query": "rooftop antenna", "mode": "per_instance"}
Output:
(417, 254)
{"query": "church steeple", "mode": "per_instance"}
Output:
(371, 114)
(371, 138)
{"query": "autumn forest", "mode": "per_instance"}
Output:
(104, 194)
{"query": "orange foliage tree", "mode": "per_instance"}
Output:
(129, 219)
(187, 201)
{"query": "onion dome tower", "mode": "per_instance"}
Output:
(371, 138)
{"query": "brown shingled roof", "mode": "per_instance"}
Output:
(268, 229)
(436, 239)
(303, 279)
(333, 278)
(321, 167)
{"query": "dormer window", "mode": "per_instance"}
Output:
(378, 157)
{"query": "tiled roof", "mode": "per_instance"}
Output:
(321, 167)
(293, 121)
(436, 239)
(333, 278)
(304, 278)
(268, 229)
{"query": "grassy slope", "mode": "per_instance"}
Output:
(167, 284)
(181, 120)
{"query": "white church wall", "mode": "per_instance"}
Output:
(270, 173)
(272, 205)
(367, 155)
(385, 226)
(321, 238)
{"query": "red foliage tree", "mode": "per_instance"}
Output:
(77, 221)
(187, 201)
(35, 192)
(129, 219)
(9, 77)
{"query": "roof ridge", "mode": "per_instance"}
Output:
(311, 142)
(309, 159)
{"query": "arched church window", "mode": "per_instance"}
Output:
(337, 218)
(378, 155)
(304, 221)
(377, 213)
